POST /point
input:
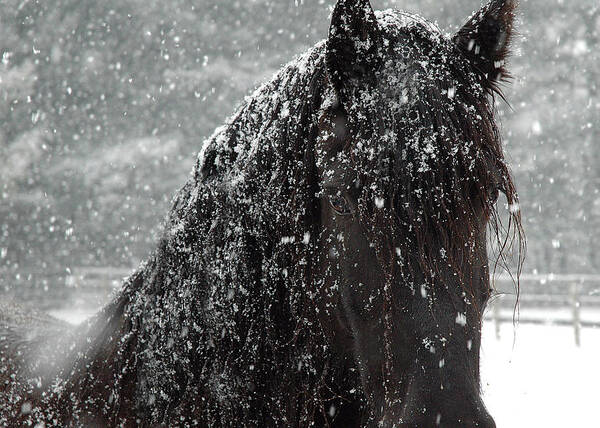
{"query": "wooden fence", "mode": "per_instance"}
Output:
(570, 299)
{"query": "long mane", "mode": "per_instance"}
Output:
(240, 233)
(220, 311)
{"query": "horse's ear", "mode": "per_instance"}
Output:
(485, 40)
(354, 43)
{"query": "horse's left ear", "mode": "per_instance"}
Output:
(354, 42)
(485, 40)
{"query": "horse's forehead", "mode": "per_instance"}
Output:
(410, 40)
(395, 22)
(417, 57)
(405, 57)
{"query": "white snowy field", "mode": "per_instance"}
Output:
(533, 376)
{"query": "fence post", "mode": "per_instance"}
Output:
(496, 313)
(576, 306)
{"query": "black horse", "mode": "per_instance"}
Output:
(325, 264)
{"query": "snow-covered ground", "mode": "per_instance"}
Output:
(73, 316)
(533, 376)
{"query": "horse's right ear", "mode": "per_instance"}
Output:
(485, 40)
(354, 43)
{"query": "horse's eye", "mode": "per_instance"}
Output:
(339, 204)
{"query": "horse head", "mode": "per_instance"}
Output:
(410, 165)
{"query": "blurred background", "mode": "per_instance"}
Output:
(104, 104)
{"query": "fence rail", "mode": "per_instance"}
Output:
(578, 294)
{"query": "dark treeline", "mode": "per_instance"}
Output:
(103, 106)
